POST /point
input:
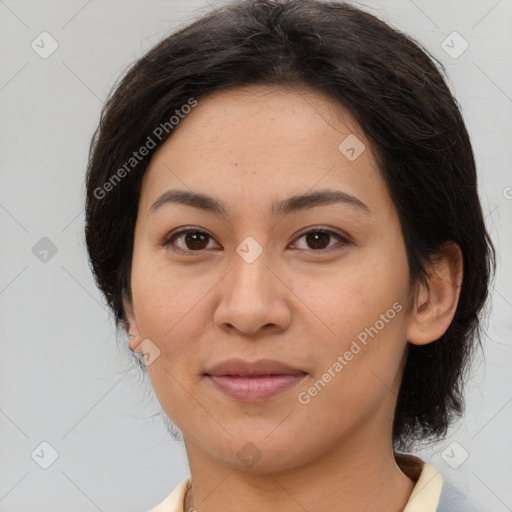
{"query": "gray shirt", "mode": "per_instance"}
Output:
(453, 500)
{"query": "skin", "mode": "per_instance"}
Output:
(297, 302)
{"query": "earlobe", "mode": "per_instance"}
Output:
(134, 338)
(436, 301)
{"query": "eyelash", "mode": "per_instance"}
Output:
(317, 229)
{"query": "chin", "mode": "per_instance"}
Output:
(260, 454)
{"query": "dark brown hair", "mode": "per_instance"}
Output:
(395, 92)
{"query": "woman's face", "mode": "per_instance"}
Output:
(253, 284)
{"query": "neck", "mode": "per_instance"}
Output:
(357, 477)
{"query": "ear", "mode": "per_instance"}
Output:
(436, 302)
(132, 328)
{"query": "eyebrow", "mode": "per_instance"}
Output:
(292, 204)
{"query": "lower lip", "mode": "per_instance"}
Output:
(252, 389)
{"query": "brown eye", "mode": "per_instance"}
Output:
(195, 240)
(191, 240)
(318, 239)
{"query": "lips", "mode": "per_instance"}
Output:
(253, 381)
(261, 367)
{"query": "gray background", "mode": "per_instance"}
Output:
(65, 379)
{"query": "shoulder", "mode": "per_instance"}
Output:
(432, 491)
(453, 500)
(174, 502)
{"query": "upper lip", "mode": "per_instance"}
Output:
(259, 367)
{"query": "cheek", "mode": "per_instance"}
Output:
(354, 298)
(167, 297)
(170, 314)
(363, 321)
(357, 363)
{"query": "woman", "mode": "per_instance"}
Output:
(282, 212)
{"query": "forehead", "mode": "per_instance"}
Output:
(257, 144)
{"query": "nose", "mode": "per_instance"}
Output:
(254, 297)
